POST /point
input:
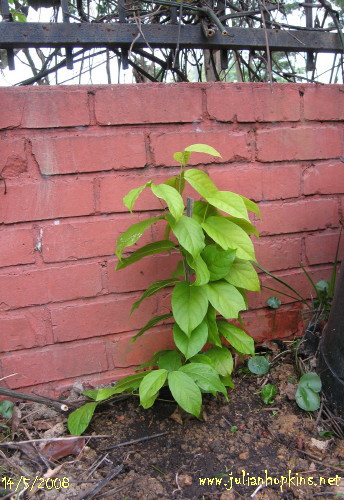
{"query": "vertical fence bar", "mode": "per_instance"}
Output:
(65, 17)
(7, 17)
(123, 19)
(310, 63)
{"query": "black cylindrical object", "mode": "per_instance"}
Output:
(331, 352)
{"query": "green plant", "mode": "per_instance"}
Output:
(211, 279)
(306, 395)
(6, 408)
(258, 365)
(268, 393)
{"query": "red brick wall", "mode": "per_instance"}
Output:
(68, 156)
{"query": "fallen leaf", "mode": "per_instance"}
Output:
(53, 450)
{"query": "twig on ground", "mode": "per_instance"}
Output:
(94, 491)
(134, 441)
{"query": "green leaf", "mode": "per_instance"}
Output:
(189, 234)
(205, 376)
(239, 339)
(129, 383)
(190, 345)
(201, 358)
(150, 249)
(245, 225)
(202, 210)
(251, 206)
(273, 302)
(182, 157)
(177, 183)
(228, 202)
(180, 270)
(311, 380)
(213, 332)
(133, 233)
(6, 408)
(79, 420)
(200, 268)
(243, 275)
(229, 235)
(171, 196)
(307, 399)
(268, 393)
(218, 261)
(186, 393)
(150, 385)
(200, 181)
(189, 306)
(152, 322)
(170, 361)
(222, 360)
(225, 298)
(202, 148)
(152, 290)
(130, 198)
(258, 365)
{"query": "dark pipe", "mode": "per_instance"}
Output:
(331, 352)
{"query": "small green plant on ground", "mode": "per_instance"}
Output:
(208, 288)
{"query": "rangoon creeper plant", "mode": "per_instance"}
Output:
(211, 279)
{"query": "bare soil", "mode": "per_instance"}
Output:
(239, 449)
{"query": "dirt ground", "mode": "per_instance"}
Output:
(240, 449)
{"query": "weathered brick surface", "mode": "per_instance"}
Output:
(130, 104)
(84, 152)
(256, 102)
(69, 155)
(300, 143)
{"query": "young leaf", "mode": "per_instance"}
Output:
(236, 337)
(218, 261)
(213, 332)
(225, 298)
(185, 392)
(251, 206)
(268, 393)
(133, 233)
(222, 360)
(205, 377)
(244, 275)
(191, 345)
(200, 268)
(152, 290)
(6, 408)
(189, 234)
(273, 302)
(258, 365)
(152, 322)
(171, 196)
(189, 305)
(170, 361)
(79, 420)
(177, 183)
(130, 198)
(200, 181)
(228, 202)
(182, 157)
(229, 235)
(150, 385)
(150, 249)
(203, 148)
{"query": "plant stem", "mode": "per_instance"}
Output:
(189, 212)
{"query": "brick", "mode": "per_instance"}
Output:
(125, 353)
(16, 247)
(324, 102)
(231, 145)
(300, 143)
(140, 275)
(91, 237)
(253, 102)
(148, 103)
(264, 324)
(54, 284)
(12, 100)
(105, 316)
(320, 248)
(275, 253)
(25, 329)
(85, 152)
(13, 160)
(57, 362)
(245, 180)
(273, 186)
(324, 178)
(297, 216)
(47, 199)
(46, 107)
